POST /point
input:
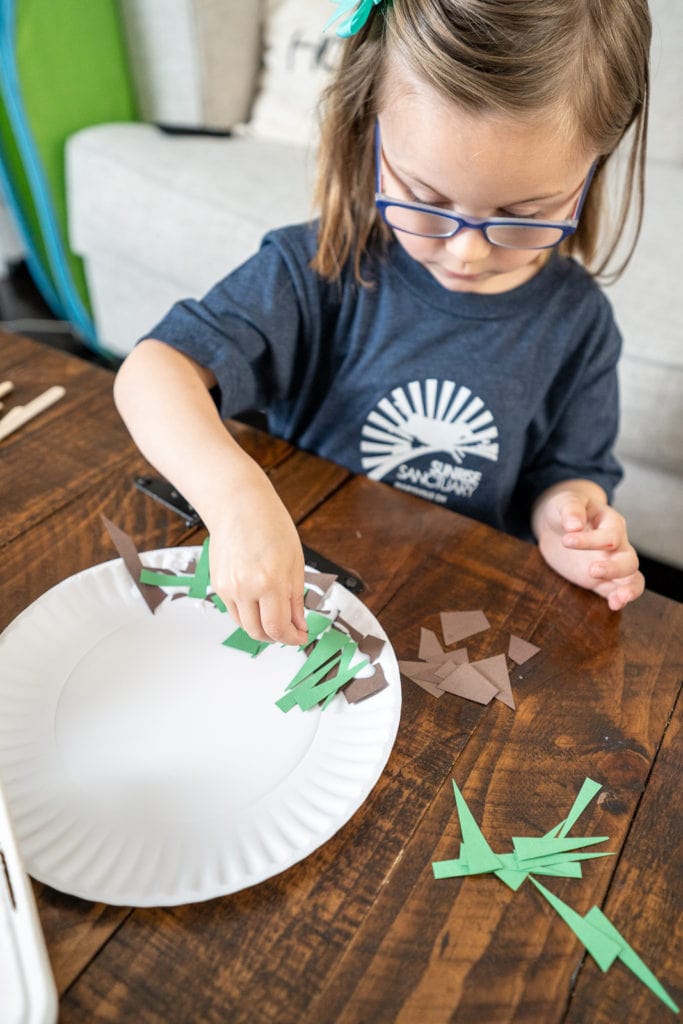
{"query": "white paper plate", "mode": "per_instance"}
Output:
(146, 764)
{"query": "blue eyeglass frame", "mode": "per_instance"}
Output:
(567, 227)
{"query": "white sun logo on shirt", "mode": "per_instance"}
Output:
(426, 417)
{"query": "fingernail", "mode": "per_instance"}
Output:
(571, 541)
(573, 523)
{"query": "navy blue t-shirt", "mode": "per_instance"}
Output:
(476, 402)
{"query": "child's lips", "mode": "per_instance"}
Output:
(462, 277)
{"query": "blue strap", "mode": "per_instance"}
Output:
(63, 297)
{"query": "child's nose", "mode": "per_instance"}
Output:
(469, 245)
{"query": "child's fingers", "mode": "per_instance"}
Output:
(604, 538)
(250, 619)
(618, 599)
(299, 614)
(271, 616)
(620, 592)
(619, 566)
(622, 595)
(275, 610)
(270, 619)
(233, 612)
(572, 514)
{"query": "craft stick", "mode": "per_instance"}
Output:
(21, 414)
(6, 386)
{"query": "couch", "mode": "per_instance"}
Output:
(161, 213)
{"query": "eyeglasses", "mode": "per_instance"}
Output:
(506, 232)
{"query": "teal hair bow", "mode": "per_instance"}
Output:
(354, 22)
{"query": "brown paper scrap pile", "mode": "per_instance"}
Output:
(440, 671)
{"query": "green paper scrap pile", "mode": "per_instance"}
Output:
(442, 671)
(554, 854)
(330, 648)
(330, 652)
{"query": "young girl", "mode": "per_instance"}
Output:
(432, 329)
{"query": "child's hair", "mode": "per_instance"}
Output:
(585, 60)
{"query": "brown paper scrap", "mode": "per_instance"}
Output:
(323, 580)
(420, 670)
(371, 646)
(313, 600)
(430, 648)
(457, 657)
(362, 687)
(354, 633)
(521, 650)
(459, 625)
(464, 681)
(153, 596)
(430, 687)
(496, 671)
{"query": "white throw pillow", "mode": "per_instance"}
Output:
(299, 58)
(194, 63)
(665, 130)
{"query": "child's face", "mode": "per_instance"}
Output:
(480, 165)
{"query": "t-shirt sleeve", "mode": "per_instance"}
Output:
(574, 435)
(249, 330)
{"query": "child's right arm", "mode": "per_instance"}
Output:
(257, 564)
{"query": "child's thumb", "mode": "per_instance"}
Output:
(298, 613)
(573, 514)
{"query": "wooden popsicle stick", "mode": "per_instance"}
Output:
(6, 386)
(21, 414)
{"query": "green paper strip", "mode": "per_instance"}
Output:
(564, 865)
(480, 856)
(553, 860)
(200, 580)
(601, 947)
(289, 699)
(513, 879)
(310, 691)
(309, 697)
(220, 604)
(528, 848)
(241, 641)
(316, 623)
(629, 957)
(160, 579)
(572, 869)
(451, 869)
(510, 873)
(329, 644)
(602, 940)
(584, 796)
(343, 668)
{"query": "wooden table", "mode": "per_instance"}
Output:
(360, 930)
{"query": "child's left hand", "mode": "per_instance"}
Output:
(585, 540)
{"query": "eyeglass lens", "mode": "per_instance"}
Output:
(433, 225)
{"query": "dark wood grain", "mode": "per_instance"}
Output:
(284, 937)
(14, 350)
(360, 931)
(47, 462)
(479, 951)
(643, 900)
(350, 889)
(56, 456)
(365, 519)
